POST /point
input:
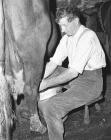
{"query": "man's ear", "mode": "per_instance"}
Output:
(76, 20)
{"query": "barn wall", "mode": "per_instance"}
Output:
(81, 2)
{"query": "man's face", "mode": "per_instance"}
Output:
(68, 27)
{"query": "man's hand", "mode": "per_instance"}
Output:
(43, 85)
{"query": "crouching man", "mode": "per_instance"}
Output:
(84, 73)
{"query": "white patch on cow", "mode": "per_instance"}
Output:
(10, 79)
(16, 83)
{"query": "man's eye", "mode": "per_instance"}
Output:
(70, 19)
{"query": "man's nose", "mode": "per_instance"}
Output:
(62, 31)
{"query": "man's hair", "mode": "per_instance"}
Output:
(70, 11)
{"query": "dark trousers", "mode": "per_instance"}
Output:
(81, 90)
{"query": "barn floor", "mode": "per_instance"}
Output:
(98, 129)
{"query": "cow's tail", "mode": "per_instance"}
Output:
(6, 113)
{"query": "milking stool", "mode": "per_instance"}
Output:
(97, 107)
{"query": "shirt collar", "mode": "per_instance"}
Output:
(80, 30)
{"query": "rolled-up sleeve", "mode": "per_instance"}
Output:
(61, 52)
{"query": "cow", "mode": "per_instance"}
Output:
(30, 36)
(105, 19)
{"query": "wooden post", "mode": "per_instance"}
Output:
(1, 60)
(1, 33)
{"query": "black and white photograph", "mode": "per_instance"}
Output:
(55, 69)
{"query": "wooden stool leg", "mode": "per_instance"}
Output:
(86, 115)
(97, 107)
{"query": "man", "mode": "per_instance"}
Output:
(84, 72)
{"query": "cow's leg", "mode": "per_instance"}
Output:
(6, 113)
(29, 105)
(5, 109)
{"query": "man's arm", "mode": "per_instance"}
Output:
(64, 77)
(50, 67)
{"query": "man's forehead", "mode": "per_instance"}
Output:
(63, 20)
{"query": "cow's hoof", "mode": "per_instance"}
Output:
(42, 129)
(25, 114)
(36, 125)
